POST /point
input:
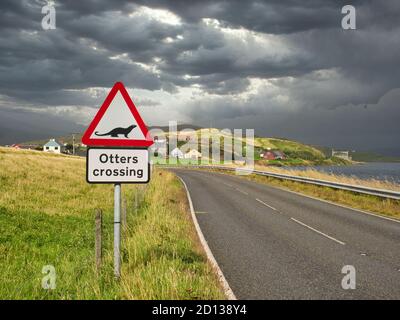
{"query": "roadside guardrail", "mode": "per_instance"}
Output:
(390, 194)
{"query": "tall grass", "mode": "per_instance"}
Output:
(47, 218)
(161, 260)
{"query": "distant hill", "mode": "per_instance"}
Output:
(179, 126)
(373, 157)
(78, 136)
(361, 156)
(291, 148)
(298, 153)
(62, 139)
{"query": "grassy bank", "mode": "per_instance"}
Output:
(47, 218)
(315, 174)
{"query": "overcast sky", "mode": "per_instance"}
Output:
(283, 68)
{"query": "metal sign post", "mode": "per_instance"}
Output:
(117, 165)
(117, 229)
(120, 154)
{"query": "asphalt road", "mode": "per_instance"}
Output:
(274, 244)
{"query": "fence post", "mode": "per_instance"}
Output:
(98, 231)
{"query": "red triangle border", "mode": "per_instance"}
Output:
(118, 86)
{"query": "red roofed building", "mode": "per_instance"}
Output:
(272, 155)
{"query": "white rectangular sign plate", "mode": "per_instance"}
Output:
(117, 165)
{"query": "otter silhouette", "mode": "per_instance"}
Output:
(117, 131)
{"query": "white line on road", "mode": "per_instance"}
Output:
(227, 184)
(340, 205)
(241, 191)
(317, 231)
(267, 205)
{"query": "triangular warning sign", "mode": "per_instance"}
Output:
(117, 123)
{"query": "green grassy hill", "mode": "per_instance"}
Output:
(292, 149)
(297, 153)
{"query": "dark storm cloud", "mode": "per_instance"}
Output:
(64, 58)
(230, 86)
(277, 16)
(263, 16)
(107, 24)
(313, 67)
(21, 126)
(17, 15)
(48, 62)
(362, 127)
(139, 36)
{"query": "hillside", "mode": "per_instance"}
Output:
(62, 139)
(47, 218)
(373, 157)
(293, 149)
(297, 153)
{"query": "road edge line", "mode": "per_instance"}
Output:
(227, 289)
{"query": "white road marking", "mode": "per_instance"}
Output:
(319, 232)
(241, 191)
(267, 205)
(227, 184)
(338, 205)
(326, 201)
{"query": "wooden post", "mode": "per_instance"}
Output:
(98, 230)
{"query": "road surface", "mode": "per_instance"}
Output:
(274, 244)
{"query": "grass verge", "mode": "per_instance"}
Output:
(47, 218)
(315, 174)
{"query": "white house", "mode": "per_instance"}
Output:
(161, 140)
(193, 154)
(52, 146)
(176, 153)
(342, 154)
